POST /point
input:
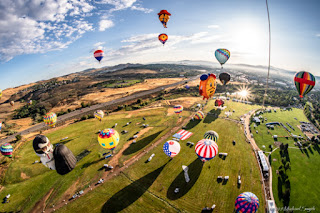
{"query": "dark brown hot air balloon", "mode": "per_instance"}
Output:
(224, 78)
(64, 159)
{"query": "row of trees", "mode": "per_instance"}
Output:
(284, 186)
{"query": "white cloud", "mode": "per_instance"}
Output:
(214, 26)
(318, 35)
(139, 8)
(105, 24)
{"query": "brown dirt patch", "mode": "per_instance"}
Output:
(24, 176)
(41, 204)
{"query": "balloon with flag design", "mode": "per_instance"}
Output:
(206, 149)
(164, 17)
(171, 148)
(6, 150)
(109, 138)
(247, 202)
(163, 38)
(178, 109)
(98, 54)
(304, 82)
(222, 55)
(50, 119)
(199, 115)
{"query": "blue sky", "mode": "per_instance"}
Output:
(40, 39)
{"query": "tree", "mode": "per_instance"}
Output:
(18, 137)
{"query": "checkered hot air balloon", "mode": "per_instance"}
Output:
(247, 202)
(199, 115)
(304, 82)
(98, 54)
(178, 109)
(6, 150)
(222, 55)
(50, 119)
(211, 135)
(171, 148)
(206, 149)
(98, 114)
(109, 138)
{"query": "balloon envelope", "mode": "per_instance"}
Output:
(11, 103)
(99, 114)
(304, 82)
(50, 119)
(222, 55)
(108, 138)
(98, 54)
(207, 85)
(247, 202)
(219, 102)
(178, 109)
(64, 159)
(6, 150)
(212, 135)
(206, 149)
(0, 93)
(164, 17)
(171, 148)
(199, 115)
(163, 38)
(224, 78)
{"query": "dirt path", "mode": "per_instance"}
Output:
(40, 205)
(117, 169)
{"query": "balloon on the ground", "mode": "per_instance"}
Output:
(6, 150)
(199, 115)
(304, 82)
(50, 119)
(98, 54)
(44, 149)
(164, 17)
(212, 135)
(171, 148)
(64, 159)
(29, 102)
(206, 149)
(178, 109)
(163, 38)
(219, 102)
(247, 202)
(12, 103)
(224, 78)
(108, 138)
(207, 85)
(222, 55)
(99, 114)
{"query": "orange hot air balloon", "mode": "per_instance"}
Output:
(163, 38)
(164, 17)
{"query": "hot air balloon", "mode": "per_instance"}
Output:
(29, 102)
(50, 119)
(206, 149)
(163, 38)
(187, 87)
(64, 159)
(6, 150)
(0, 126)
(164, 17)
(171, 148)
(207, 85)
(98, 54)
(0, 94)
(199, 115)
(304, 82)
(219, 102)
(44, 149)
(12, 103)
(247, 202)
(212, 135)
(224, 78)
(108, 138)
(222, 55)
(178, 109)
(98, 114)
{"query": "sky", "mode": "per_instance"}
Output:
(41, 39)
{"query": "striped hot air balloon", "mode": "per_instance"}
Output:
(304, 82)
(109, 138)
(50, 119)
(98, 54)
(171, 148)
(211, 135)
(247, 202)
(6, 150)
(199, 115)
(98, 114)
(178, 109)
(222, 55)
(206, 149)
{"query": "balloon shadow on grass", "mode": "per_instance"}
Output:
(131, 193)
(140, 144)
(194, 172)
(191, 124)
(212, 116)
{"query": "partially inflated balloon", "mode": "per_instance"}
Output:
(171, 148)
(247, 202)
(6, 150)
(109, 138)
(212, 135)
(222, 55)
(224, 78)
(29, 102)
(218, 102)
(50, 119)
(64, 159)
(164, 17)
(199, 115)
(206, 149)
(207, 85)
(304, 82)
(163, 38)
(178, 109)
(99, 114)
(98, 54)
(12, 103)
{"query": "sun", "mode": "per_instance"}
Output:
(244, 93)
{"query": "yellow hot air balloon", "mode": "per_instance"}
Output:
(0, 94)
(50, 119)
(109, 138)
(98, 114)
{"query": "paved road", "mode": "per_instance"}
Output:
(87, 110)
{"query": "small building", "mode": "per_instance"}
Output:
(275, 136)
(223, 154)
(256, 120)
(271, 206)
(226, 177)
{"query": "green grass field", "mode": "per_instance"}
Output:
(143, 187)
(304, 163)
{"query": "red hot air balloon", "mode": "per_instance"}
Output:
(98, 54)
(163, 38)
